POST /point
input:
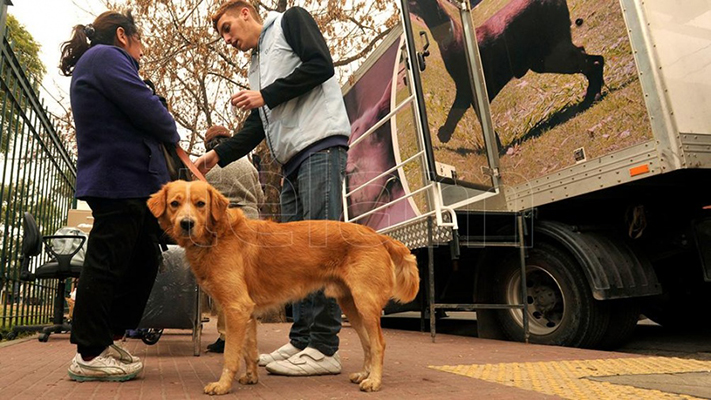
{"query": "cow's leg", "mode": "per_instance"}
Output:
(594, 66)
(461, 104)
(566, 58)
(499, 146)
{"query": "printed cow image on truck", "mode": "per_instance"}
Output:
(545, 159)
(524, 35)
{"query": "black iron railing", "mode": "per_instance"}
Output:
(38, 175)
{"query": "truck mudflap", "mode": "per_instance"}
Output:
(613, 269)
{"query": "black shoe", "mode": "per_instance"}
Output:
(217, 347)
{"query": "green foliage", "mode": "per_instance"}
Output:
(26, 49)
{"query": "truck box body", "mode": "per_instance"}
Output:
(591, 115)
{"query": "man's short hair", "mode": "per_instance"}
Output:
(234, 6)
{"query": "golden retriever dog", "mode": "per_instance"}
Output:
(251, 267)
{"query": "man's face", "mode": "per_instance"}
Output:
(233, 27)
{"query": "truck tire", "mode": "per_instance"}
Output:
(623, 317)
(559, 301)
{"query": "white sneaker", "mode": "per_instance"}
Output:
(121, 354)
(280, 354)
(103, 368)
(308, 362)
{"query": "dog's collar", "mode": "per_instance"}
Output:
(204, 245)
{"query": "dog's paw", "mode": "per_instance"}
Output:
(216, 388)
(358, 377)
(370, 385)
(248, 379)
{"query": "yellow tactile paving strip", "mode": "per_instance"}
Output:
(567, 379)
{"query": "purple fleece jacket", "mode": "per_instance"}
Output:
(120, 124)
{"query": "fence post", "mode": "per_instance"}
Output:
(3, 21)
(3, 18)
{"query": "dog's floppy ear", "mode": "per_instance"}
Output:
(157, 202)
(218, 204)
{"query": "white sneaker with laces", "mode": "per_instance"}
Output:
(308, 362)
(121, 354)
(103, 368)
(280, 354)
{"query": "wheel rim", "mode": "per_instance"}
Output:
(545, 302)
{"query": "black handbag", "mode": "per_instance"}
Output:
(176, 167)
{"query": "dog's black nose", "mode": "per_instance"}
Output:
(187, 224)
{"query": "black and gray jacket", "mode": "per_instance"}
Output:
(304, 111)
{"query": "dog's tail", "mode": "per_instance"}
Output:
(407, 278)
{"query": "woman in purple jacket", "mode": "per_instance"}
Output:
(120, 125)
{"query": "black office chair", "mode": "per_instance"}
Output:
(61, 266)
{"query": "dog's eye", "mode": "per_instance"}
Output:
(200, 204)
(174, 203)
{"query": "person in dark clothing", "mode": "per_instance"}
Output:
(120, 125)
(296, 105)
(239, 182)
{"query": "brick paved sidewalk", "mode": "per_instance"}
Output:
(31, 370)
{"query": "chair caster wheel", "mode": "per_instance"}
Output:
(152, 336)
(43, 337)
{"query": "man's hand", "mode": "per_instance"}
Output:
(247, 99)
(207, 161)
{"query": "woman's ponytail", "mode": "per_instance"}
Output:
(74, 48)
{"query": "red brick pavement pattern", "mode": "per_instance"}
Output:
(32, 370)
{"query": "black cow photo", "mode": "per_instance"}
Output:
(556, 81)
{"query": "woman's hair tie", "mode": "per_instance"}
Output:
(89, 31)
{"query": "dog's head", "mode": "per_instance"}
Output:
(190, 212)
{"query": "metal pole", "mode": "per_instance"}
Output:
(3, 18)
(430, 269)
(524, 287)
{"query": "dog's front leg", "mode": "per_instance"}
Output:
(251, 356)
(236, 320)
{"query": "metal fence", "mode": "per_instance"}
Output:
(38, 175)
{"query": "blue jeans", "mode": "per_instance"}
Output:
(313, 191)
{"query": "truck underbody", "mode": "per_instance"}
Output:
(648, 240)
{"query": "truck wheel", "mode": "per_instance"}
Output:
(624, 315)
(559, 302)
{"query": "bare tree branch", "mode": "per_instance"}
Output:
(366, 50)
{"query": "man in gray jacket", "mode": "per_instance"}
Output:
(296, 105)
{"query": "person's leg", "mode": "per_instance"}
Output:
(133, 291)
(320, 179)
(111, 242)
(292, 210)
(220, 320)
(319, 190)
(219, 345)
(299, 333)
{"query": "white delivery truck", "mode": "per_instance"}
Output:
(547, 160)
